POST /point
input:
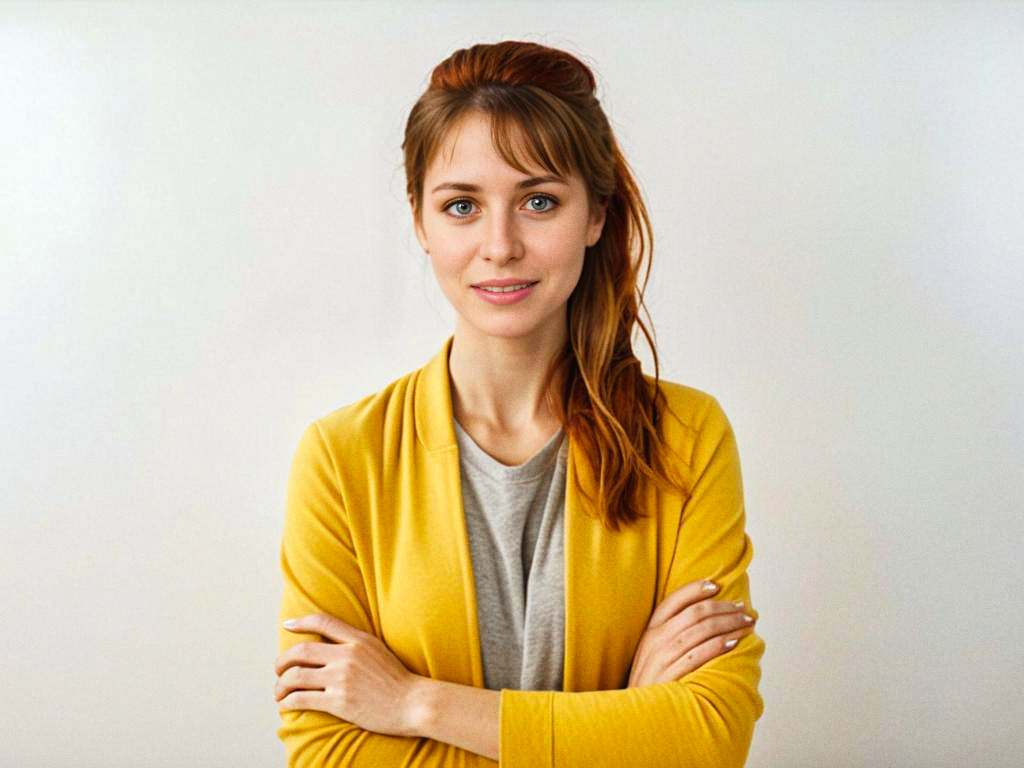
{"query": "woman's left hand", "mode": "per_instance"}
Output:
(357, 678)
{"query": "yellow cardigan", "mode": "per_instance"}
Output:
(374, 534)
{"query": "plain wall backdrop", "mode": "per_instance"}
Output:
(205, 244)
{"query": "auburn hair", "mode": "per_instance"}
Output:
(545, 98)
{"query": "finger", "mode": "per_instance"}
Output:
(704, 652)
(302, 700)
(720, 624)
(684, 596)
(691, 638)
(323, 624)
(698, 612)
(298, 679)
(307, 654)
(712, 626)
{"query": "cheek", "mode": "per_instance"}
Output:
(447, 248)
(448, 273)
(572, 278)
(568, 242)
(446, 267)
(565, 255)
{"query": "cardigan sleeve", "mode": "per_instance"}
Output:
(704, 718)
(322, 575)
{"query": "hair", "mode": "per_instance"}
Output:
(545, 97)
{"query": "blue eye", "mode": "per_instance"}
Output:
(462, 202)
(547, 198)
(462, 208)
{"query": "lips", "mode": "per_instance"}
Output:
(505, 282)
(512, 293)
(510, 288)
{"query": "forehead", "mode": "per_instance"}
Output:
(469, 144)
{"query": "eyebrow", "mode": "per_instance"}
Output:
(533, 181)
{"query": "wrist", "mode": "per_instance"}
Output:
(461, 715)
(420, 705)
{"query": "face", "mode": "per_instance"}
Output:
(484, 222)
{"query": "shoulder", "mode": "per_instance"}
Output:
(362, 425)
(691, 418)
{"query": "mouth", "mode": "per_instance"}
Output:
(509, 288)
(505, 294)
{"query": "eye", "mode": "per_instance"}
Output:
(460, 206)
(544, 198)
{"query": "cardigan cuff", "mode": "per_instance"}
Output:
(526, 738)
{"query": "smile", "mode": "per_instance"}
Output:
(504, 294)
(504, 288)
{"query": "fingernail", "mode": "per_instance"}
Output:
(731, 643)
(709, 586)
(748, 619)
(289, 623)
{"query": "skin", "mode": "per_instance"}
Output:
(498, 359)
(500, 353)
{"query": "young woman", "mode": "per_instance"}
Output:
(528, 549)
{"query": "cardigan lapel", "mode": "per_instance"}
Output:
(438, 451)
(610, 585)
(610, 577)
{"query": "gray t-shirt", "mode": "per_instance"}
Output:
(514, 518)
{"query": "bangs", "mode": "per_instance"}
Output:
(523, 136)
(528, 128)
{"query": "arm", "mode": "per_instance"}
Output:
(322, 575)
(707, 717)
(462, 715)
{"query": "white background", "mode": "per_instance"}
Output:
(205, 244)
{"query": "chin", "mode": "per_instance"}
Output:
(505, 332)
(507, 328)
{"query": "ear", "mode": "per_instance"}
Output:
(421, 235)
(596, 225)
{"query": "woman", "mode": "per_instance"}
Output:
(527, 549)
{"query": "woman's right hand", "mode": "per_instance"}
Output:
(686, 630)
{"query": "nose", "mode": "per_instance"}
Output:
(501, 239)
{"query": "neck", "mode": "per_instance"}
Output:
(499, 381)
